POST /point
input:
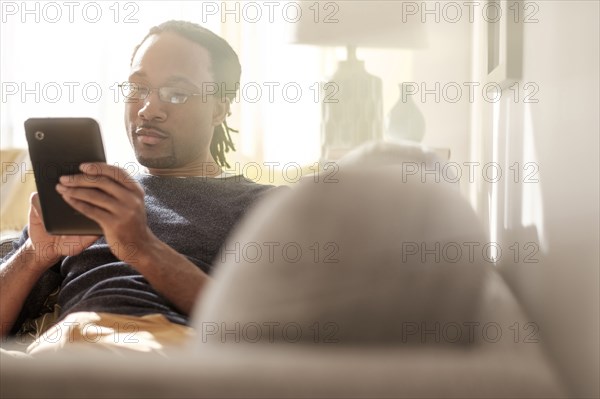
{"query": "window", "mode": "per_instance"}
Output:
(66, 59)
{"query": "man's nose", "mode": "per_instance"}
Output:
(153, 108)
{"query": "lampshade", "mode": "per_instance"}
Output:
(377, 24)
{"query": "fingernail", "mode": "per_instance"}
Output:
(60, 188)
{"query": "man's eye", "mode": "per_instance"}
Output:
(176, 96)
(130, 89)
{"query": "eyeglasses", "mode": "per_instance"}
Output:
(172, 95)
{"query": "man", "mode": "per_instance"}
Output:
(163, 229)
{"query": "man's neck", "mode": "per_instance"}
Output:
(205, 169)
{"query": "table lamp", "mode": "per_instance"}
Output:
(355, 114)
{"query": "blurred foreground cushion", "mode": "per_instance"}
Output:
(362, 259)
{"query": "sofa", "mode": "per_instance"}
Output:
(369, 284)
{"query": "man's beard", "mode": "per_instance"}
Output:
(158, 163)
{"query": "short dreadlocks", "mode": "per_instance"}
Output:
(226, 70)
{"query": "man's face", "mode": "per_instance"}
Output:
(165, 135)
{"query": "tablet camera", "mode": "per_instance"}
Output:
(39, 135)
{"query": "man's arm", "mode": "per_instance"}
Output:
(171, 274)
(23, 269)
(18, 275)
(113, 199)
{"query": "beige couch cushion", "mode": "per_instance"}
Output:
(17, 185)
(362, 260)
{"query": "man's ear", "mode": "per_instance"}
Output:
(221, 110)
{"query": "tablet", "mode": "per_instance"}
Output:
(57, 146)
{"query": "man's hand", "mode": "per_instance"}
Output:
(109, 196)
(115, 201)
(47, 248)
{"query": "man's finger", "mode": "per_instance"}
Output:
(115, 173)
(99, 183)
(96, 197)
(98, 215)
(35, 211)
(35, 204)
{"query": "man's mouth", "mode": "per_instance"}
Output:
(149, 135)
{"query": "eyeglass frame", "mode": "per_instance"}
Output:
(158, 89)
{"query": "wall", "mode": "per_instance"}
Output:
(551, 214)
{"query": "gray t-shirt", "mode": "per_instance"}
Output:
(194, 215)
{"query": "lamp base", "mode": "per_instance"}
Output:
(354, 114)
